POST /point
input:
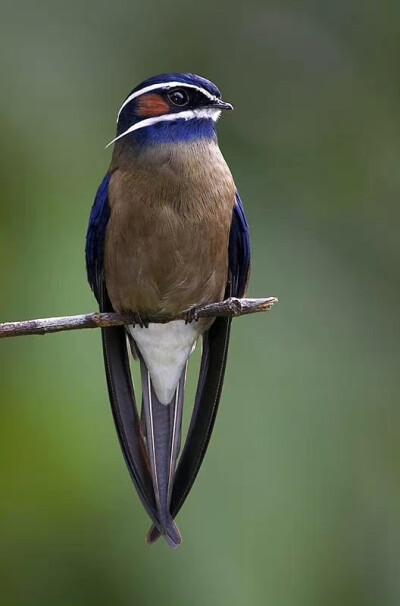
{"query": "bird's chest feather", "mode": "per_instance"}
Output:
(167, 237)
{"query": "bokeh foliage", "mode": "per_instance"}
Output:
(298, 500)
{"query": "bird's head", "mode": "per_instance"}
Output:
(170, 108)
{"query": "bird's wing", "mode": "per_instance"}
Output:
(95, 237)
(213, 362)
(239, 250)
(116, 360)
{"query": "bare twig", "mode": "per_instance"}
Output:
(229, 308)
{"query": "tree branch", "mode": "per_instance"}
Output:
(231, 308)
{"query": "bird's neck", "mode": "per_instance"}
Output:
(177, 131)
(193, 160)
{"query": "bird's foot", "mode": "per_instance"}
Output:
(191, 316)
(139, 320)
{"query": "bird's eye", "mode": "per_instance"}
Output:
(178, 97)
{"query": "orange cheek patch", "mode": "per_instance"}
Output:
(150, 106)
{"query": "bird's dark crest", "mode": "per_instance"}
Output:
(179, 77)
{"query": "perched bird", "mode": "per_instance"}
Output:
(167, 233)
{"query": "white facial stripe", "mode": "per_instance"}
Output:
(166, 85)
(208, 112)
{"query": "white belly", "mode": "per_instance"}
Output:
(165, 349)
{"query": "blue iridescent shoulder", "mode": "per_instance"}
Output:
(239, 249)
(95, 236)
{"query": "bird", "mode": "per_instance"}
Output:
(167, 233)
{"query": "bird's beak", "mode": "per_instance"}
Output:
(219, 104)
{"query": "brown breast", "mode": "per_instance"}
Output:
(167, 238)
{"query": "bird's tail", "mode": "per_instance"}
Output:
(162, 424)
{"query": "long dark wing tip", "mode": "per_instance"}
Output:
(153, 535)
(172, 535)
(126, 417)
(203, 417)
(216, 342)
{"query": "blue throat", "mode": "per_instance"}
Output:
(179, 131)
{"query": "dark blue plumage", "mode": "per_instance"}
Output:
(176, 133)
(95, 237)
(239, 249)
(179, 77)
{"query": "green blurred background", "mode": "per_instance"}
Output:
(297, 503)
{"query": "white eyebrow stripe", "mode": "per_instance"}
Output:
(208, 112)
(166, 85)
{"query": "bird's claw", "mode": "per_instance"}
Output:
(191, 316)
(139, 320)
